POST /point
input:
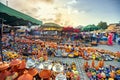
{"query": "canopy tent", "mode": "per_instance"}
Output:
(76, 30)
(51, 27)
(12, 17)
(16, 18)
(68, 29)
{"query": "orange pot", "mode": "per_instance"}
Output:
(15, 62)
(26, 76)
(96, 67)
(4, 74)
(102, 63)
(33, 72)
(112, 74)
(4, 66)
(86, 65)
(45, 74)
(39, 54)
(93, 63)
(33, 52)
(22, 65)
(45, 57)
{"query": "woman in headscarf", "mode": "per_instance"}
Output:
(110, 38)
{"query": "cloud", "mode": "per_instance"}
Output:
(50, 10)
(72, 2)
(39, 1)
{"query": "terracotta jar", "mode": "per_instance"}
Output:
(22, 64)
(93, 63)
(26, 76)
(39, 54)
(86, 65)
(33, 52)
(15, 62)
(45, 57)
(101, 63)
(112, 74)
(76, 53)
(3, 66)
(96, 67)
(4, 74)
(73, 66)
(33, 71)
(45, 74)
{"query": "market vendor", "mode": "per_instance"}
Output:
(58, 52)
(49, 50)
(86, 56)
(45, 55)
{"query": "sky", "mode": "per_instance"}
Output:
(69, 12)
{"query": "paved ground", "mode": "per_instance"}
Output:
(79, 61)
(113, 48)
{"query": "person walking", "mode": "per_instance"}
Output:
(110, 38)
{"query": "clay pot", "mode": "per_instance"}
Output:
(45, 57)
(101, 63)
(3, 66)
(73, 66)
(39, 54)
(33, 52)
(76, 53)
(22, 65)
(112, 74)
(86, 65)
(45, 74)
(33, 72)
(15, 62)
(26, 76)
(96, 67)
(4, 74)
(89, 74)
(68, 73)
(93, 63)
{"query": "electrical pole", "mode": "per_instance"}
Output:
(1, 32)
(7, 2)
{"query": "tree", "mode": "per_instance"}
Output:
(90, 28)
(102, 25)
